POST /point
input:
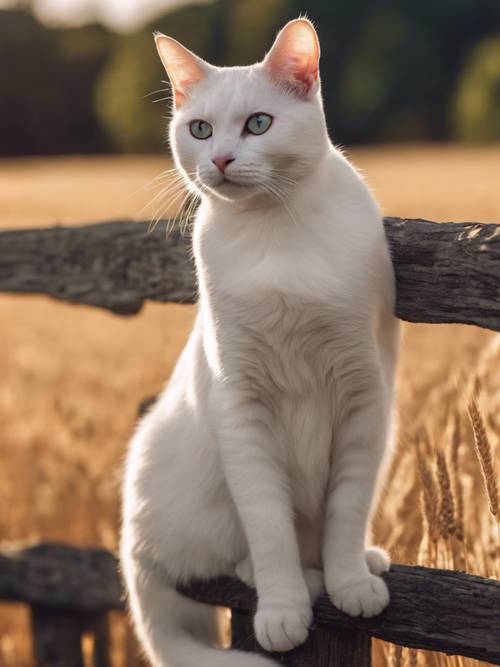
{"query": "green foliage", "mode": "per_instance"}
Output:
(46, 79)
(476, 108)
(386, 87)
(128, 116)
(251, 26)
(130, 94)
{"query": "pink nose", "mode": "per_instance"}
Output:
(222, 162)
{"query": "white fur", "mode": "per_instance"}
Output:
(261, 456)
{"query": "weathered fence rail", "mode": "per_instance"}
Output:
(444, 272)
(437, 610)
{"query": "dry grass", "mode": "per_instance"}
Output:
(72, 378)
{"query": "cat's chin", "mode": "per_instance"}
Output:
(232, 191)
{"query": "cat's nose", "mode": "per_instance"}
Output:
(222, 162)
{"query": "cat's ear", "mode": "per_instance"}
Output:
(294, 57)
(183, 67)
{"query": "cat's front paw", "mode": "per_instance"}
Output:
(366, 596)
(282, 628)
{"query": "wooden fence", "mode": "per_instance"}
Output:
(444, 273)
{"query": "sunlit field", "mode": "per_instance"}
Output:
(72, 378)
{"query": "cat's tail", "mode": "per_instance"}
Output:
(176, 631)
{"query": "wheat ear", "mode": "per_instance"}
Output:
(457, 486)
(429, 497)
(446, 504)
(483, 451)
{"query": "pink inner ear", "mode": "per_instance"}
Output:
(184, 69)
(183, 76)
(294, 57)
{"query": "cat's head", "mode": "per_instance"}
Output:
(241, 131)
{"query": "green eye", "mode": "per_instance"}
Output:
(200, 129)
(259, 123)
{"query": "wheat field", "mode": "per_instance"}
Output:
(72, 378)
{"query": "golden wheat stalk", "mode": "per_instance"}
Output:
(429, 497)
(458, 493)
(446, 503)
(483, 451)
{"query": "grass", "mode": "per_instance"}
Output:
(72, 378)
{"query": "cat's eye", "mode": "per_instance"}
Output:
(200, 129)
(258, 123)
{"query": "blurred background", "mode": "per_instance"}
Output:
(392, 70)
(412, 93)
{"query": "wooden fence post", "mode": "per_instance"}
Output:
(58, 634)
(325, 647)
(57, 637)
(99, 626)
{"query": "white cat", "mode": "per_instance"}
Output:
(261, 456)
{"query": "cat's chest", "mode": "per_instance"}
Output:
(286, 353)
(290, 341)
(303, 267)
(291, 352)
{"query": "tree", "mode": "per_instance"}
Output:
(476, 107)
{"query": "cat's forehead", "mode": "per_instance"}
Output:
(233, 91)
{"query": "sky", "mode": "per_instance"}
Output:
(118, 14)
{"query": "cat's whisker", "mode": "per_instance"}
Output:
(180, 210)
(160, 212)
(181, 213)
(177, 189)
(165, 188)
(166, 173)
(280, 197)
(288, 185)
(191, 211)
(165, 191)
(152, 184)
(282, 175)
(178, 179)
(155, 92)
(148, 186)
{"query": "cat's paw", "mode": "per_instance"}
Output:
(282, 628)
(314, 582)
(367, 596)
(378, 560)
